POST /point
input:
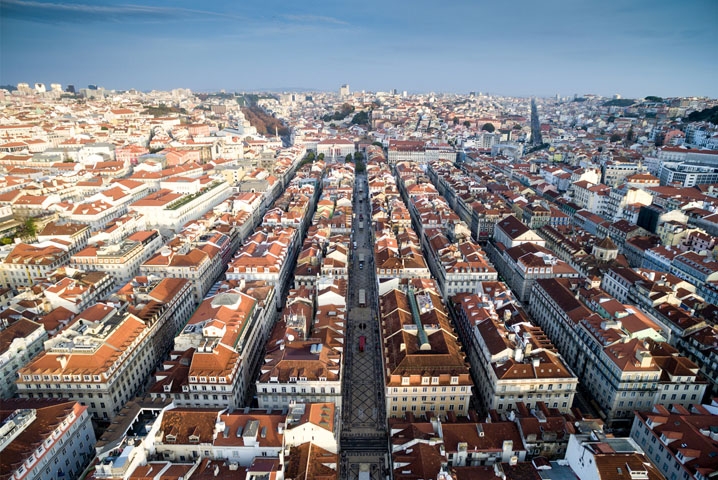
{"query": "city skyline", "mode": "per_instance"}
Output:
(525, 49)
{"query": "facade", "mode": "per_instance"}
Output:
(515, 362)
(619, 354)
(26, 263)
(45, 439)
(458, 267)
(679, 442)
(121, 260)
(215, 354)
(425, 369)
(101, 360)
(19, 343)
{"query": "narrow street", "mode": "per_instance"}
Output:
(364, 441)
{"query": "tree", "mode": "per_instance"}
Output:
(358, 156)
(456, 120)
(614, 138)
(653, 98)
(310, 156)
(467, 123)
(378, 144)
(361, 118)
(348, 158)
(629, 136)
(321, 156)
(488, 127)
(27, 229)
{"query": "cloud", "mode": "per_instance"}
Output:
(47, 12)
(315, 19)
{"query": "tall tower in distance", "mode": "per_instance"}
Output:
(344, 90)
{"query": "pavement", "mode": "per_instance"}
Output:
(364, 440)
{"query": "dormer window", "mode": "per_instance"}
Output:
(193, 439)
(405, 380)
(170, 438)
(424, 380)
(292, 379)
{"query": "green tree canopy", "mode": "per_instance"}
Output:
(614, 138)
(488, 127)
(467, 123)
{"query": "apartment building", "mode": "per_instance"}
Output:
(75, 290)
(425, 368)
(75, 235)
(168, 210)
(214, 356)
(428, 449)
(458, 267)
(26, 263)
(617, 351)
(515, 361)
(20, 341)
(102, 359)
(511, 232)
(298, 370)
(164, 302)
(201, 266)
(602, 457)
(45, 439)
(406, 151)
(266, 255)
(121, 260)
(303, 361)
(521, 266)
(681, 443)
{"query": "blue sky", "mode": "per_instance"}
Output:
(520, 47)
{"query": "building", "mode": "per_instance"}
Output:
(515, 361)
(266, 255)
(217, 353)
(600, 457)
(426, 449)
(45, 439)
(302, 366)
(406, 151)
(681, 443)
(168, 210)
(510, 232)
(201, 266)
(618, 352)
(101, 360)
(19, 343)
(121, 260)
(27, 263)
(458, 267)
(425, 369)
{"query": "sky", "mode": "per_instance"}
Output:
(520, 47)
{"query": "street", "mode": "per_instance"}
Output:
(364, 441)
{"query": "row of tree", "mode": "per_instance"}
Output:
(263, 122)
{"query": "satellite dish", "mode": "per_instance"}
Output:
(290, 338)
